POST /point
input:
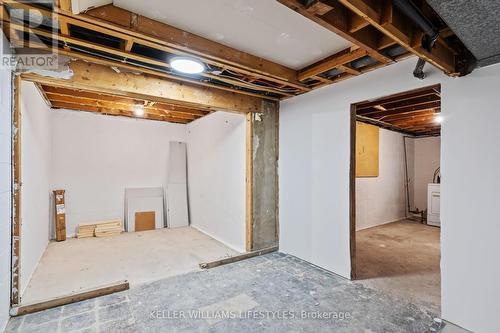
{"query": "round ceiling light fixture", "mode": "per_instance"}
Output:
(139, 110)
(187, 65)
(438, 119)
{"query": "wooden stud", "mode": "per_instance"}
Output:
(15, 297)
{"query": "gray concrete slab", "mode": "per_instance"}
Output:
(270, 293)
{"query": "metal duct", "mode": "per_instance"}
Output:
(431, 33)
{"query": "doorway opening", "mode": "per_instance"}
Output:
(395, 195)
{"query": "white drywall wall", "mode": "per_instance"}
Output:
(5, 191)
(470, 161)
(216, 177)
(382, 199)
(35, 173)
(96, 157)
(427, 160)
(314, 181)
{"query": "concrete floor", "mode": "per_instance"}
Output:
(271, 293)
(77, 264)
(401, 259)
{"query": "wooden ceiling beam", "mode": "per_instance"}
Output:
(337, 21)
(152, 34)
(120, 65)
(412, 108)
(331, 62)
(400, 97)
(116, 112)
(118, 100)
(129, 55)
(83, 101)
(103, 79)
(356, 22)
(412, 115)
(392, 24)
(411, 101)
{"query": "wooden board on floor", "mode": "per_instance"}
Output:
(229, 260)
(71, 298)
(100, 229)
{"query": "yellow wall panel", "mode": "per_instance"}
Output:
(367, 147)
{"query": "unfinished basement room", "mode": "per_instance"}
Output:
(249, 166)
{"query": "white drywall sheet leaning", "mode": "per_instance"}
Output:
(177, 202)
(147, 199)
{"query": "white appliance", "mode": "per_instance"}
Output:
(434, 204)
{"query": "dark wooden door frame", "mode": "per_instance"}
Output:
(352, 192)
(352, 178)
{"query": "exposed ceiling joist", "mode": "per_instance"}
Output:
(72, 99)
(337, 21)
(145, 28)
(145, 41)
(392, 24)
(103, 79)
(414, 112)
(331, 62)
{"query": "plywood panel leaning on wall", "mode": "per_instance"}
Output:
(367, 150)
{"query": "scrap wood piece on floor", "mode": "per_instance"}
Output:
(100, 229)
(248, 255)
(23, 309)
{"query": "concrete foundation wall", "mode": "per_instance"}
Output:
(314, 181)
(265, 177)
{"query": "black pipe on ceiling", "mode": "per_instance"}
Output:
(431, 32)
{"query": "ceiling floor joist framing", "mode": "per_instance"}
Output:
(109, 35)
(103, 79)
(414, 113)
(381, 35)
(145, 41)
